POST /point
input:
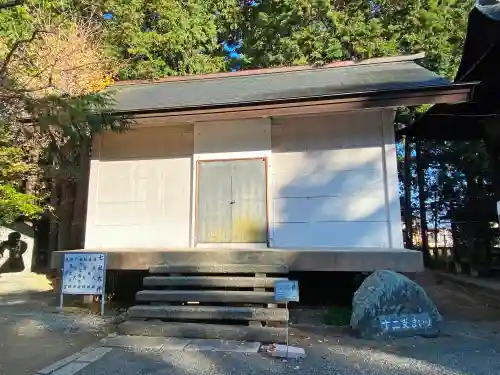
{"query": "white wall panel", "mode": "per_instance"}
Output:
(331, 234)
(232, 136)
(122, 213)
(141, 196)
(329, 181)
(340, 208)
(148, 142)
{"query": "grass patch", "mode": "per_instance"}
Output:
(338, 316)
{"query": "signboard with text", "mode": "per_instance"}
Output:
(84, 273)
(286, 291)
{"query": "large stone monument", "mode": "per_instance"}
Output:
(388, 304)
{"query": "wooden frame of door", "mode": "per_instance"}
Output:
(265, 159)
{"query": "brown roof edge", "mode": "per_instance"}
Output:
(339, 103)
(252, 72)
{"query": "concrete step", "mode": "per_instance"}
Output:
(219, 268)
(202, 331)
(204, 296)
(212, 281)
(208, 313)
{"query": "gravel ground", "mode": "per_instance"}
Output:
(463, 349)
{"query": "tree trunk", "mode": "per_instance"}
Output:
(421, 168)
(473, 253)
(407, 211)
(66, 204)
(80, 206)
(54, 203)
(33, 180)
(436, 218)
(492, 143)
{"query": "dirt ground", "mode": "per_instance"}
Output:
(457, 302)
(34, 335)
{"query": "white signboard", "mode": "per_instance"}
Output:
(84, 273)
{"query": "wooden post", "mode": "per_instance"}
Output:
(421, 197)
(407, 211)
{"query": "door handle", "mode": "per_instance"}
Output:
(232, 202)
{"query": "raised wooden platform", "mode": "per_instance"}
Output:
(304, 259)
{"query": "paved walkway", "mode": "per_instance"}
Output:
(128, 344)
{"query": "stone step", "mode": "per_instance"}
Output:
(212, 281)
(208, 313)
(219, 268)
(202, 331)
(224, 296)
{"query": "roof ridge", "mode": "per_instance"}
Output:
(260, 72)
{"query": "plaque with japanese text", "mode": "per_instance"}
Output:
(84, 273)
(404, 324)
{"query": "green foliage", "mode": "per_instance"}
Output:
(12, 165)
(76, 117)
(185, 39)
(13, 171)
(318, 31)
(338, 316)
(14, 204)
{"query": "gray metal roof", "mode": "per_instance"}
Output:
(274, 86)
